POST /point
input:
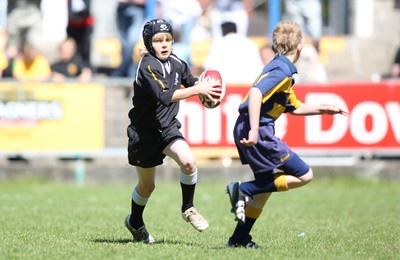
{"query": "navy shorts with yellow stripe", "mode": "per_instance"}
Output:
(269, 153)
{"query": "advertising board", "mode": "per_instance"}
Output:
(51, 117)
(373, 123)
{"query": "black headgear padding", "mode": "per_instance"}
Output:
(153, 27)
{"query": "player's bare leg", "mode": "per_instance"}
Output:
(180, 152)
(146, 182)
(296, 182)
(260, 200)
(140, 195)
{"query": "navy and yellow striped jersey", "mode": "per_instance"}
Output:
(276, 85)
(155, 83)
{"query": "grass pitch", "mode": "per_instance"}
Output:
(331, 218)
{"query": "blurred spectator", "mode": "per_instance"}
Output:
(395, 68)
(24, 24)
(3, 15)
(69, 64)
(55, 20)
(181, 49)
(130, 19)
(310, 69)
(3, 57)
(183, 16)
(230, 10)
(235, 56)
(30, 65)
(80, 27)
(267, 54)
(3, 62)
(308, 14)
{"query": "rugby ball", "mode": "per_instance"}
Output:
(214, 75)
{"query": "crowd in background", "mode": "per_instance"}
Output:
(26, 37)
(32, 27)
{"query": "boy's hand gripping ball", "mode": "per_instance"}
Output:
(216, 76)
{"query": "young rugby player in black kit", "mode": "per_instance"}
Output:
(154, 129)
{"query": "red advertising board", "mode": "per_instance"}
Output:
(373, 123)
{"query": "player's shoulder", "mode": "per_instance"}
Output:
(149, 59)
(175, 59)
(280, 65)
(149, 63)
(286, 65)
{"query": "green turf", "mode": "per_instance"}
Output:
(340, 219)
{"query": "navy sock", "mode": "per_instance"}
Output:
(242, 232)
(260, 185)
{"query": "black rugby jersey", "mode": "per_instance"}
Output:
(153, 89)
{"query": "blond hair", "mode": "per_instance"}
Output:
(286, 37)
(143, 50)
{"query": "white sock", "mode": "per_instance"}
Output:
(188, 179)
(138, 199)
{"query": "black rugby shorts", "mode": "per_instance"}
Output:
(145, 147)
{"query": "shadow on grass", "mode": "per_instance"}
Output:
(113, 241)
(158, 241)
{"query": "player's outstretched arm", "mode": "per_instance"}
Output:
(308, 110)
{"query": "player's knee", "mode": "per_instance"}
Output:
(189, 166)
(146, 190)
(306, 178)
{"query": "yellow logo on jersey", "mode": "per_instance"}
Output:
(284, 158)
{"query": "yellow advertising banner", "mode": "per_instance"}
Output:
(51, 117)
